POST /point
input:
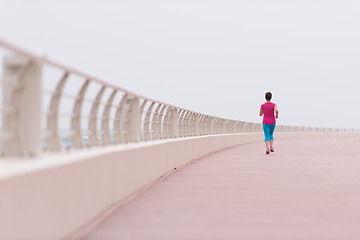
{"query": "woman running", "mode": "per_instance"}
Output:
(267, 109)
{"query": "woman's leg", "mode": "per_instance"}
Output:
(267, 135)
(271, 134)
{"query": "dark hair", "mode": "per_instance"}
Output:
(268, 96)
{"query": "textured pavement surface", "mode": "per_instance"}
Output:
(308, 189)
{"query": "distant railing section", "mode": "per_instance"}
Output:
(50, 107)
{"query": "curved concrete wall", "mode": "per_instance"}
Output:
(56, 196)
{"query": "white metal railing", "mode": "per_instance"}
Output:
(48, 106)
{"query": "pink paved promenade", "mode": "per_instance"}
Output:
(308, 189)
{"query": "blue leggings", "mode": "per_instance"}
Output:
(268, 131)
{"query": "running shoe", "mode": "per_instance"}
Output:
(271, 149)
(267, 151)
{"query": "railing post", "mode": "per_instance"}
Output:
(223, 130)
(120, 121)
(205, 123)
(197, 125)
(187, 124)
(143, 114)
(93, 133)
(212, 125)
(134, 118)
(105, 131)
(160, 122)
(154, 123)
(165, 123)
(201, 124)
(173, 123)
(191, 124)
(53, 138)
(244, 129)
(253, 125)
(76, 136)
(147, 123)
(257, 128)
(180, 123)
(22, 102)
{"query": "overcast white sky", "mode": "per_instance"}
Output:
(217, 56)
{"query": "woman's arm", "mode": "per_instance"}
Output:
(276, 111)
(261, 112)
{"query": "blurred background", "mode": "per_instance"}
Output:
(214, 57)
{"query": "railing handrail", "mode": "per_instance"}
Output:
(53, 63)
(136, 118)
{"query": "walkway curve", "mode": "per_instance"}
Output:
(307, 189)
